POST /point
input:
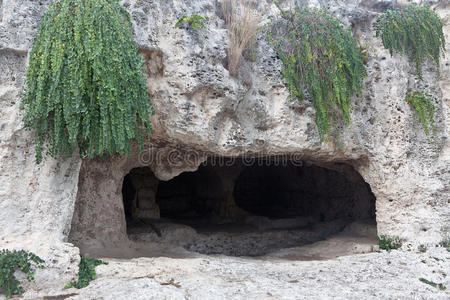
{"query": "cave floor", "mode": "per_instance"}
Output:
(283, 239)
(259, 237)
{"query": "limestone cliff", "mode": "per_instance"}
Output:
(201, 110)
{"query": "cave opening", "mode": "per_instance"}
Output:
(248, 209)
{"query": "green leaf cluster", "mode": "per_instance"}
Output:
(10, 261)
(85, 86)
(194, 21)
(388, 243)
(424, 109)
(415, 31)
(320, 56)
(86, 272)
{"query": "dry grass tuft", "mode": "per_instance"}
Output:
(242, 24)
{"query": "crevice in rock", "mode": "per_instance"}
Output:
(154, 62)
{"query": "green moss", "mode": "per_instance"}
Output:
(424, 109)
(194, 21)
(320, 56)
(85, 87)
(415, 31)
(86, 272)
(10, 261)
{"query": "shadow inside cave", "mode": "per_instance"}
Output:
(266, 209)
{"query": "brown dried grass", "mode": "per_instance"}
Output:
(242, 24)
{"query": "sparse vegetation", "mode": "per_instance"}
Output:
(194, 22)
(441, 286)
(321, 61)
(388, 243)
(242, 25)
(86, 272)
(423, 109)
(415, 31)
(422, 248)
(446, 242)
(85, 89)
(10, 261)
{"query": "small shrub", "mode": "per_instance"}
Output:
(242, 26)
(10, 261)
(422, 248)
(446, 242)
(389, 243)
(85, 88)
(320, 56)
(415, 31)
(441, 286)
(424, 109)
(86, 272)
(194, 22)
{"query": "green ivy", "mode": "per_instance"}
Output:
(194, 21)
(84, 84)
(320, 56)
(10, 261)
(424, 109)
(86, 272)
(415, 31)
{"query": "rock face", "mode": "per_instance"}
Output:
(202, 111)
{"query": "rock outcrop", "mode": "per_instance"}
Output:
(201, 111)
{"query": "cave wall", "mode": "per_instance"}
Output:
(304, 190)
(200, 109)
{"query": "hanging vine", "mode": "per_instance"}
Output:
(320, 59)
(84, 84)
(424, 109)
(415, 31)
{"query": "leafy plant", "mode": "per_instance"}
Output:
(321, 57)
(86, 272)
(84, 85)
(194, 21)
(424, 109)
(10, 261)
(415, 31)
(389, 243)
(441, 286)
(422, 248)
(242, 26)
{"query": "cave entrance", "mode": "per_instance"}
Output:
(244, 209)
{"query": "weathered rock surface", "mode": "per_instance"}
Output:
(201, 110)
(384, 275)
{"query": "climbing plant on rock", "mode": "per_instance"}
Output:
(424, 109)
(84, 84)
(415, 31)
(320, 59)
(86, 272)
(10, 263)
